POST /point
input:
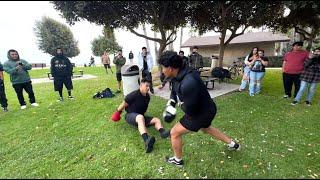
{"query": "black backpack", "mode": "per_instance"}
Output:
(107, 93)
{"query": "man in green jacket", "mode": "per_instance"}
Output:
(119, 61)
(18, 70)
(3, 99)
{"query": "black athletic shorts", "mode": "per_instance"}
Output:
(59, 81)
(196, 123)
(118, 75)
(131, 119)
(106, 66)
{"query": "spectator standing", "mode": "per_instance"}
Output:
(310, 78)
(19, 76)
(292, 68)
(246, 69)
(3, 99)
(195, 59)
(131, 57)
(119, 61)
(145, 63)
(105, 60)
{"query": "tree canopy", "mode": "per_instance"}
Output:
(233, 16)
(51, 34)
(304, 18)
(106, 42)
(163, 16)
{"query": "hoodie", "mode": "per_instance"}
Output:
(61, 66)
(17, 75)
(189, 89)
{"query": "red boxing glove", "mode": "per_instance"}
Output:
(116, 116)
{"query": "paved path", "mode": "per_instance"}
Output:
(219, 89)
(46, 80)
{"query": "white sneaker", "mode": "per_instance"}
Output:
(23, 107)
(34, 104)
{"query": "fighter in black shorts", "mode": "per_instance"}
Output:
(136, 104)
(189, 91)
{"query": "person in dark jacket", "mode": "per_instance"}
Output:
(195, 59)
(19, 77)
(61, 70)
(3, 99)
(310, 78)
(189, 91)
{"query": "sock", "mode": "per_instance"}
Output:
(177, 159)
(232, 143)
(60, 93)
(144, 137)
(161, 130)
(69, 92)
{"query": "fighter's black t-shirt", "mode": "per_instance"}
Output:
(137, 102)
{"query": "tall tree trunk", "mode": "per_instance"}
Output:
(156, 47)
(222, 47)
(161, 49)
(145, 33)
(171, 44)
(181, 36)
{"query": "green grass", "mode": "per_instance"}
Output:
(77, 139)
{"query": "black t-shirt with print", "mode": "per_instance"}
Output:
(258, 66)
(137, 102)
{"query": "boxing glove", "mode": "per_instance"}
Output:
(116, 116)
(169, 113)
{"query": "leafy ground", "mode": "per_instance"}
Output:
(77, 139)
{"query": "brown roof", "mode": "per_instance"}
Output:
(245, 38)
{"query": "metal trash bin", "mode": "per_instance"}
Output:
(130, 78)
(214, 61)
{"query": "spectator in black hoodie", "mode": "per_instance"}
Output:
(61, 70)
(189, 91)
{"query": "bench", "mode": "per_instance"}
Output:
(73, 76)
(207, 79)
(35, 65)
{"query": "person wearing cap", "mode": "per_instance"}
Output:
(3, 99)
(119, 61)
(292, 67)
(136, 104)
(105, 60)
(19, 77)
(189, 92)
(195, 59)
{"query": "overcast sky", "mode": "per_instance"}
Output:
(17, 19)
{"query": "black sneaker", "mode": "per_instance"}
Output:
(5, 109)
(165, 134)
(236, 147)
(173, 160)
(149, 144)
(294, 103)
(308, 103)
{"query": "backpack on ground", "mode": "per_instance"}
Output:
(107, 93)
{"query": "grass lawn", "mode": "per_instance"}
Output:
(77, 139)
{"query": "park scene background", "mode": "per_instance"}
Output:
(77, 139)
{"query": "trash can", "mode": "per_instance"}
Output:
(130, 78)
(214, 61)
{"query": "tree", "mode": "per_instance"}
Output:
(51, 34)
(232, 16)
(304, 18)
(163, 16)
(105, 42)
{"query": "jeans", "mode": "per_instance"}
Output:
(310, 90)
(246, 71)
(19, 91)
(255, 82)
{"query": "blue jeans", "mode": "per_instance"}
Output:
(246, 71)
(310, 91)
(255, 82)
